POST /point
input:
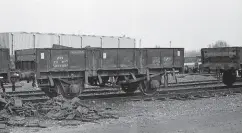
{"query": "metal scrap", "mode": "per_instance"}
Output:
(14, 113)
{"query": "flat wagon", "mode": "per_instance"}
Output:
(68, 71)
(225, 60)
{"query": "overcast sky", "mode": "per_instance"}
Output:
(187, 23)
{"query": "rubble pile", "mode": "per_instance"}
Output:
(55, 109)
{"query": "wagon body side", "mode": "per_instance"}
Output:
(64, 69)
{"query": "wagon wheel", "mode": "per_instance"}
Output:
(229, 78)
(129, 88)
(70, 91)
(149, 88)
(186, 69)
(67, 90)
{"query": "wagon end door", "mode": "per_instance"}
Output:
(167, 58)
(126, 58)
(178, 58)
(153, 58)
(43, 60)
(109, 59)
(76, 59)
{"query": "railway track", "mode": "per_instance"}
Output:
(175, 93)
(168, 92)
(39, 93)
(112, 93)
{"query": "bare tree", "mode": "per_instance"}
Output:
(218, 44)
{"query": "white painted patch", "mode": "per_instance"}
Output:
(104, 55)
(178, 53)
(237, 73)
(16, 74)
(42, 55)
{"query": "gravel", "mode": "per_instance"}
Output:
(216, 114)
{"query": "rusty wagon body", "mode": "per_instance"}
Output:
(213, 58)
(226, 60)
(60, 69)
(4, 64)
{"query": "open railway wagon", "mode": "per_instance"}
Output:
(225, 62)
(6, 74)
(68, 71)
(4, 65)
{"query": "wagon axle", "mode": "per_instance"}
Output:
(147, 84)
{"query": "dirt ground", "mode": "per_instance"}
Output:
(20, 86)
(210, 115)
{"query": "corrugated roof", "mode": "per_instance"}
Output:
(67, 34)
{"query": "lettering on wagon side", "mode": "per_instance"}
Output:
(60, 61)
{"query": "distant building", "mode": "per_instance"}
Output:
(24, 40)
